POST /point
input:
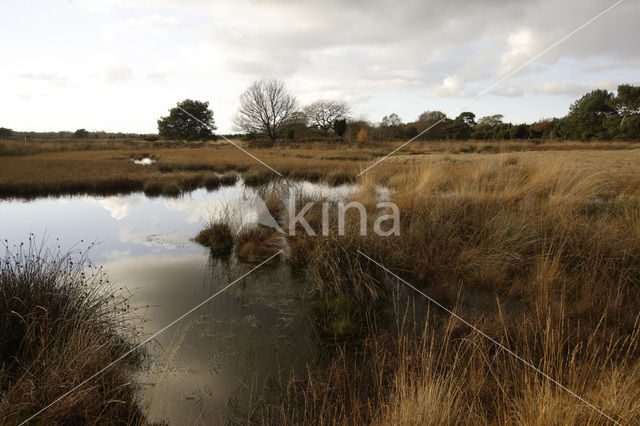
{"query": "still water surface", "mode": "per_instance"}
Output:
(255, 332)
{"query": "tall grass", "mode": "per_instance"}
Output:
(59, 324)
(539, 256)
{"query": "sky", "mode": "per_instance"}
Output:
(119, 65)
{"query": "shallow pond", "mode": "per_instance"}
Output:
(219, 356)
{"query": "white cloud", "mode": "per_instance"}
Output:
(557, 88)
(118, 207)
(523, 44)
(451, 86)
(117, 74)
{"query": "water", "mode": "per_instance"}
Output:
(224, 352)
(145, 161)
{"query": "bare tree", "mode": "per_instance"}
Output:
(323, 113)
(391, 120)
(265, 107)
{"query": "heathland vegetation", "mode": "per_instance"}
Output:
(535, 244)
(539, 256)
(529, 232)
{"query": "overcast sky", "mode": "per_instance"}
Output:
(118, 65)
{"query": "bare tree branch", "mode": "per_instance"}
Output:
(322, 113)
(265, 107)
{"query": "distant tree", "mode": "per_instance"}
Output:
(80, 134)
(6, 133)
(488, 127)
(519, 131)
(189, 120)
(435, 121)
(409, 132)
(430, 117)
(587, 118)
(469, 118)
(340, 126)
(627, 103)
(391, 120)
(265, 108)
(363, 136)
(296, 126)
(462, 126)
(390, 127)
(354, 127)
(290, 135)
(324, 112)
(491, 120)
(542, 128)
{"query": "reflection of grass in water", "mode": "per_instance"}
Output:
(344, 319)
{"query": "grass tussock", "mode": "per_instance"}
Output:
(539, 257)
(255, 244)
(59, 326)
(218, 237)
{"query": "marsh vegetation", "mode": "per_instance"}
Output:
(537, 245)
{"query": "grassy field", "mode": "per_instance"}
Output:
(537, 245)
(40, 168)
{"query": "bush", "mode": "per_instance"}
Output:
(363, 136)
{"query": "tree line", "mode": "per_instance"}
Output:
(269, 111)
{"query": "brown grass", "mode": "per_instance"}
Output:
(539, 249)
(542, 255)
(105, 167)
(218, 237)
(58, 327)
(254, 245)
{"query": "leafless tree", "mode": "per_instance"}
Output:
(265, 107)
(391, 120)
(322, 113)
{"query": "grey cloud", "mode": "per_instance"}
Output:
(52, 78)
(556, 88)
(414, 44)
(511, 91)
(117, 74)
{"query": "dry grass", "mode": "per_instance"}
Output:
(104, 167)
(59, 326)
(255, 244)
(541, 255)
(451, 375)
(539, 249)
(218, 237)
